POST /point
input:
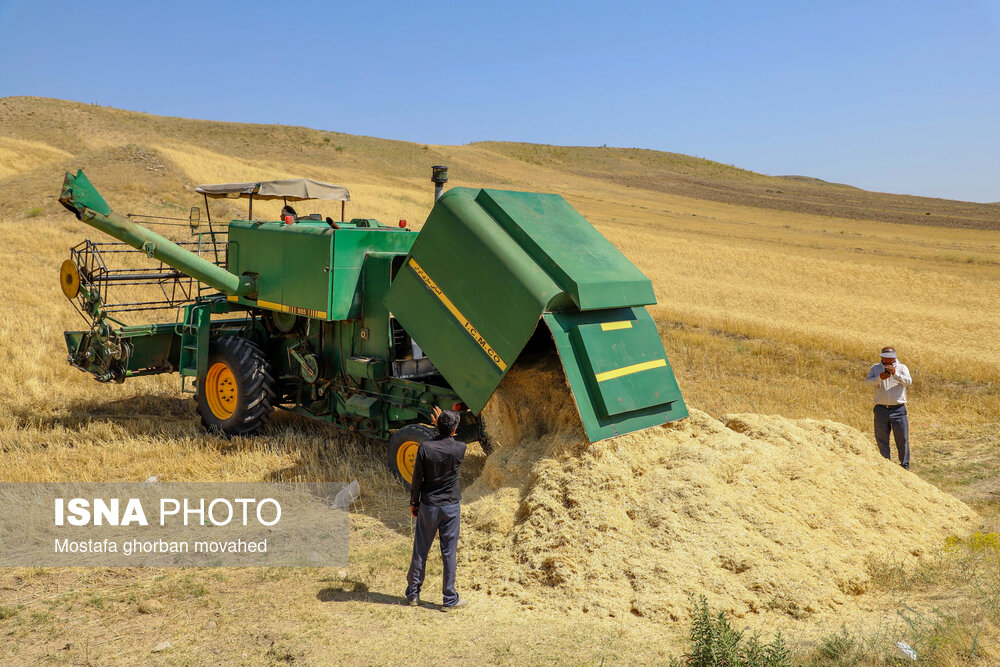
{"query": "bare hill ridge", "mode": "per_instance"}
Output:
(52, 133)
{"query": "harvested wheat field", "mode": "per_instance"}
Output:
(758, 513)
(768, 302)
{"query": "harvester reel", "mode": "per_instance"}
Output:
(237, 394)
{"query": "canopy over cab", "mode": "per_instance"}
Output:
(296, 189)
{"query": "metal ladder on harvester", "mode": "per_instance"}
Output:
(194, 343)
(197, 326)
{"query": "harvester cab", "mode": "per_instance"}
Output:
(366, 326)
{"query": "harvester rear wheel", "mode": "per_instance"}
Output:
(402, 450)
(237, 394)
(487, 443)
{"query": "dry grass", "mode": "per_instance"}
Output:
(764, 309)
(16, 155)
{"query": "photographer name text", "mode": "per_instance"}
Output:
(130, 547)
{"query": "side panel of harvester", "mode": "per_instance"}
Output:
(308, 269)
(488, 265)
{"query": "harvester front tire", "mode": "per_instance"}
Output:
(402, 450)
(237, 394)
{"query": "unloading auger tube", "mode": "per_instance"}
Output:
(80, 197)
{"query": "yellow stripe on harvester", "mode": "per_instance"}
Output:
(296, 310)
(308, 312)
(628, 370)
(471, 330)
(614, 326)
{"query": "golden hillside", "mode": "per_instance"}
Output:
(726, 250)
(774, 296)
(44, 132)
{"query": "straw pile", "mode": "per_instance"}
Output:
(759, 513)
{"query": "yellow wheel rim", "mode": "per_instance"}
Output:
(406, 457)
(69, 279)
(220, 390)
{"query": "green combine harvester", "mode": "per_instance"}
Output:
(365, 326)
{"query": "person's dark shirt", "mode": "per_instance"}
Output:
(435, 472)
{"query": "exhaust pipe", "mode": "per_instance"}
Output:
(439, 176)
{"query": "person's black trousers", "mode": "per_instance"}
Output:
(444, 521)
(893, 418)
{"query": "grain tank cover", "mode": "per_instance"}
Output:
(569, 249)
(488, 265)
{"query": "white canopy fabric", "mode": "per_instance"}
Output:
(295, 189)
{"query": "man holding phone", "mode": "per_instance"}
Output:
(891, 379)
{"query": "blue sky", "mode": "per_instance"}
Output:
(897, 97)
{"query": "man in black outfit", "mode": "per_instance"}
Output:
(435, 503)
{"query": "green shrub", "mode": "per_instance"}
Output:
(713, 642)
(837, 648)
(34, 212)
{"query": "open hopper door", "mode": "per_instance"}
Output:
(488, 264)
(617, 369)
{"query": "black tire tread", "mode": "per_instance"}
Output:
(487, 443)
(255, 381)
(419, 432)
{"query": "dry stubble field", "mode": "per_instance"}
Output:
(773, 294)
